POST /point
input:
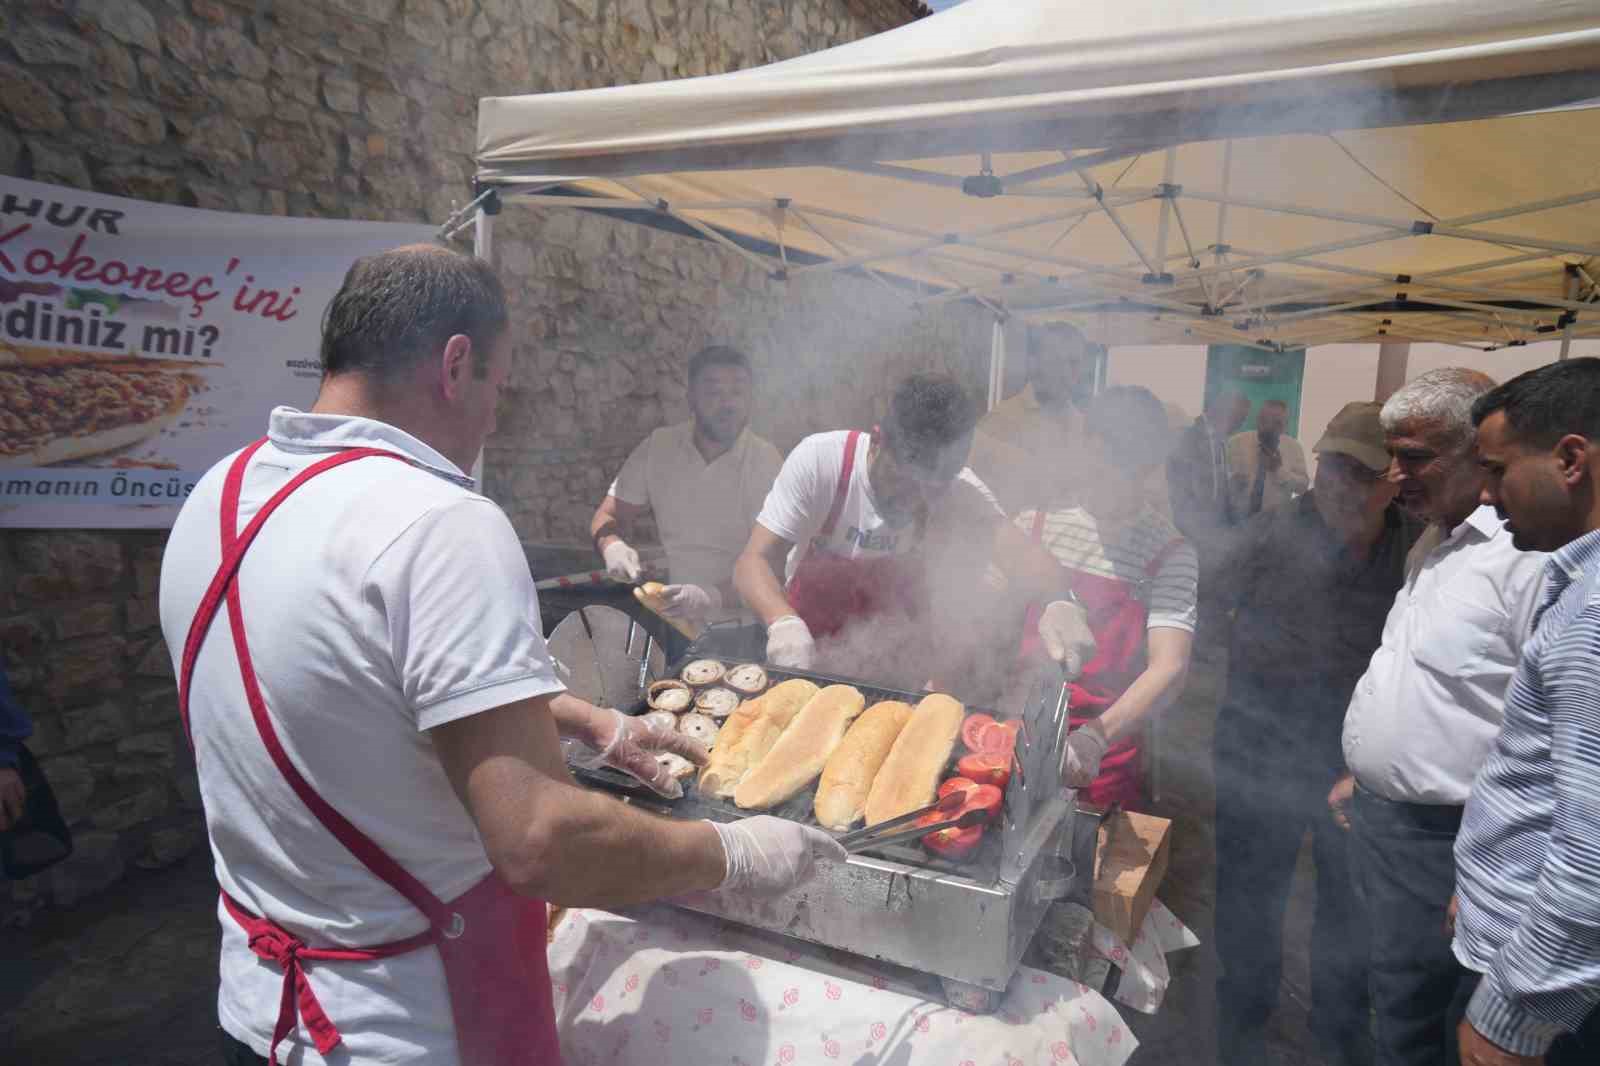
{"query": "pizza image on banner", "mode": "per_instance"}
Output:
(72, 405)
(141, 343)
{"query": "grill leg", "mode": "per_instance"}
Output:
(974, 999)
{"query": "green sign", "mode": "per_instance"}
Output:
(1260, 376)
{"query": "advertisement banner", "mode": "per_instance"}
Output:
(1260, 376)
(140, 343)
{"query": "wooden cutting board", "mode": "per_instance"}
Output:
(1127, 874)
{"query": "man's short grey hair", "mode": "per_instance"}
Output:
(1442, 398)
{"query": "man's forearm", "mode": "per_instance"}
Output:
(604, 853)
(759, 588)
(1151, 692)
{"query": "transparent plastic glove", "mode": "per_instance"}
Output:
(1080, 763)
(631, 745)
(768, 856)
(789, 643)
(690, 602)
(1064, 631)
(622, 562)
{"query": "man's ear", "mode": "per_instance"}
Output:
(1574, 454)
(456, 365)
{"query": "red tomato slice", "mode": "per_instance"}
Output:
(953, 844)
(972, 727)
(986, 768)
(999, 738)
(951, 785)
(986, 798)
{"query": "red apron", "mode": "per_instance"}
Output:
(491, 941)
(828, 589)
(1117, 617)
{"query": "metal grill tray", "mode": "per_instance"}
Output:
(983, 867)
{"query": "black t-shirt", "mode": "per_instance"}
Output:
(1308, 614)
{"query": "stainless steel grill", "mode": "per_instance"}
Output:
(968, 922)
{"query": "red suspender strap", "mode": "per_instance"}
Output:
(267, 939)
(271, 942)
(1038, 526)
(843, 489)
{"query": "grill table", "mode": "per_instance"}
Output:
(966, 923)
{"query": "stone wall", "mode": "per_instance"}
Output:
(366, 109)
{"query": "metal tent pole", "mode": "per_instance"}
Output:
(1571, 316)
(997, 361)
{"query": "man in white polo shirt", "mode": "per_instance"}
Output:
(1423, 716)
(704, 481)
(376, 724)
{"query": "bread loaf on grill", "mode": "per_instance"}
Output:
(749, 734)
(910, 775)
(847, 778)
(802, 751)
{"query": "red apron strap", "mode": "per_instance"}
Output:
(1038, 526)
(234, 546)
(355, 841)
(842, 490)
(272, 942)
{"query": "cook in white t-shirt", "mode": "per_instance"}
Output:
(391, 625)
(704, 481)
(883, 540)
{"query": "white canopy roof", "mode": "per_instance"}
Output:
(1272, 171)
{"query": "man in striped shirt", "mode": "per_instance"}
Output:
(1528, 855)
(1135, 576)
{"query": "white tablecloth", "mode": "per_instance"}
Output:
(1145, 975)
(670, 988)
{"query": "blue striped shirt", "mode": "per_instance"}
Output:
(1528, 855)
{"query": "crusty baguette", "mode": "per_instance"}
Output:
(846, 780)
(749, 734)
(910, 775)
(803, 749)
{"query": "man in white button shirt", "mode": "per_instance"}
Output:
(704, 480)
(376, 723)
(1423, 716)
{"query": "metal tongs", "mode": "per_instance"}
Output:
(893, 831)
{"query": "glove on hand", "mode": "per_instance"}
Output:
(768, 856)
(690, 602)
(622, 562)
(631, 744)
(1080, 763)
(1064, 631)
(789, 643)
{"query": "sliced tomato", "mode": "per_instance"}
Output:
(952, 784)
(972, 727)
(986, 768)
(998, 738)
(952, 844)
(986, 798)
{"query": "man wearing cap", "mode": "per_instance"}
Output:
(1310, 584)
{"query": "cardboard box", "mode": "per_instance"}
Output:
(1129, 872)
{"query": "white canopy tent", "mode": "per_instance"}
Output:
(1268, 172)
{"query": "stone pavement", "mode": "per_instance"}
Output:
(129, 978)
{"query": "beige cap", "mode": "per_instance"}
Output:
(1355, 431)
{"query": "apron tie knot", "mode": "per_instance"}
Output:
(272, 943)
(276, 944)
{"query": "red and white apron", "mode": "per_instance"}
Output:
(1118, 615)
(491, 941)
(829, 589)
